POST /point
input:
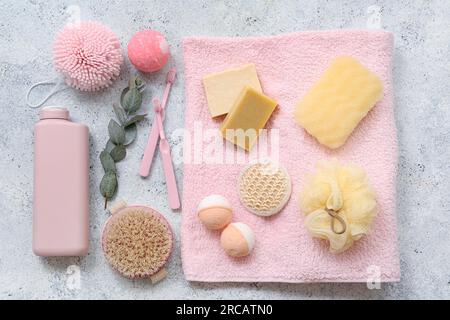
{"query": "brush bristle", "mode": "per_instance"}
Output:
(171, 75)
(137, 242)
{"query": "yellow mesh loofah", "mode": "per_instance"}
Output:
(264, 188)
(339, 204)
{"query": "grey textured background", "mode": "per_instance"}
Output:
(422, 69)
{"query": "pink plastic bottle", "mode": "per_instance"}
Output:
(61, 185)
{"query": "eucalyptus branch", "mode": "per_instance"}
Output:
(121, 134)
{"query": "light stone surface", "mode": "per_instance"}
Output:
(422, 94)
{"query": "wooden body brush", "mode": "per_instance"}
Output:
(137, 241)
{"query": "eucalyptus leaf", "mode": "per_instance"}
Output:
(120, 113)
(132, 100)
(109, 146)
(130, 134)
(138, 81)
(108, 185)
(133, 82)
(134, 119)
(107, 162)
(122, 96)
(118, 153)
(116, 132)
(141, 87)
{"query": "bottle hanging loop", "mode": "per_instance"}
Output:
(58, 85)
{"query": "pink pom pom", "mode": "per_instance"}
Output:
(148, 51)
(88, 54)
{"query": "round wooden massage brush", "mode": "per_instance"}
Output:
(137, 241)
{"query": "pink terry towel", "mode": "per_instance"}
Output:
(287, 67)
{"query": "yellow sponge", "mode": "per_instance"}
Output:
(342, 97)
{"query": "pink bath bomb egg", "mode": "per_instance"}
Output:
(237, 239)
(215, 212)
(148, 51)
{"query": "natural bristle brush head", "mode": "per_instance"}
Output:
(170, 78)
(137, 241)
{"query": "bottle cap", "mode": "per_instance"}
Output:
(54, 113)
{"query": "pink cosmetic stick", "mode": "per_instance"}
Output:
(164, 148)
(149, 151)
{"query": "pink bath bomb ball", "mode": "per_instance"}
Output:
(148, 51)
